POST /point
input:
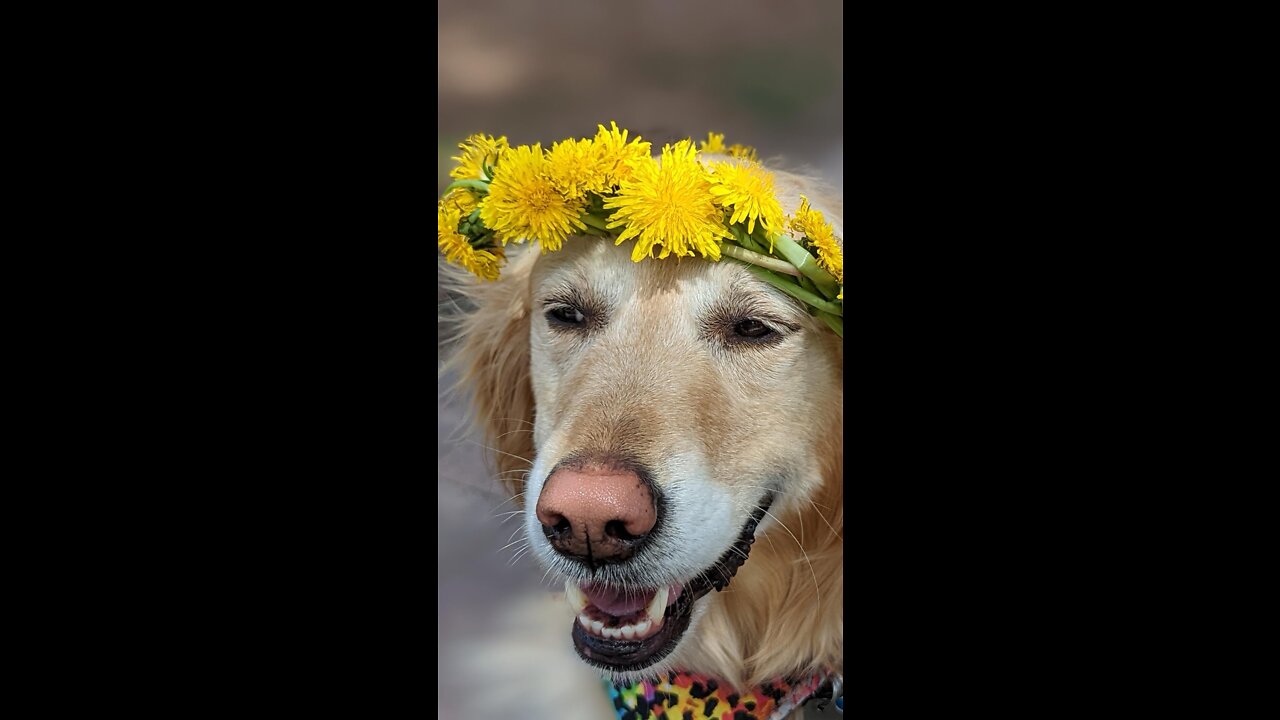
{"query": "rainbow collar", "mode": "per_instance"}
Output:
(685, 695)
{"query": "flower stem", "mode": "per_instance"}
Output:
(480, 185)
(807, 265)
(796, 291)
(834, 323)
(746, 241)
(595, 222)
(754, 258)
(807, 284)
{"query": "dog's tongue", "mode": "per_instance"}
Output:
(616, 602)
(621, 604)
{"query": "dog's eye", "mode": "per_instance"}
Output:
(567, 315)
(751, 328)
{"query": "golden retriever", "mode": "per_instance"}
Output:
(687, 457)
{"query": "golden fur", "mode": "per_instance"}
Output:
(641, 392)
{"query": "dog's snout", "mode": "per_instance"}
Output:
(596, 511)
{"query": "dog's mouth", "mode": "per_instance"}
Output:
(628, 630)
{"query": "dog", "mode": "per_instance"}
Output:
(674, 432)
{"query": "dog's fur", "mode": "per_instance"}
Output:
(658, 380)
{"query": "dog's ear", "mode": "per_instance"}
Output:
(491, 359)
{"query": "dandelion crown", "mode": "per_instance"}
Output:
(611, 187)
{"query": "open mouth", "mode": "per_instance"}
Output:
(630, 630)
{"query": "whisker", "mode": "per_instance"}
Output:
(816, 506)
(749, 509)
(504, 502)
(802, 550)
(511, 432)
(761, 487)
(825, 520)
(504, 547)
(544, 575)
(723, 573)
(494, 449)
(519, 555)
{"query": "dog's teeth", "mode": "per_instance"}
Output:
(628, 632)
(574, 595)
(584, 621)
(658, 605)
(596, 626)
(612, 632)
(642, 627)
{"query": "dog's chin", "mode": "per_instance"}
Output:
(626, 633)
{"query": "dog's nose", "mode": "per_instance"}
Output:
(596, 512)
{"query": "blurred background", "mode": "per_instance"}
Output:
(766, 73)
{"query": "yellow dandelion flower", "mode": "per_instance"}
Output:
(477, 151)
(748, 189)
(615, 155)
(714, 143)
(813, 225)
(830, 256)
(744, 151)
(457, 249)
(575, 169)
(462, 199)
(669, 204)
(523, 204)
(807, 220)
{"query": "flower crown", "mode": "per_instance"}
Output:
(610, 187)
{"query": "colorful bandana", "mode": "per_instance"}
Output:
(682, 696)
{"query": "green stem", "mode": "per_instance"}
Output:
(796, 291)
(480, 185)
(754, 246)
(807, 265)
(745, 240)
(595, 222)
(807, 284)
(762, 236)
(834, 322)
(754, 258)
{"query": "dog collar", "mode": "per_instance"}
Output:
(685, 695)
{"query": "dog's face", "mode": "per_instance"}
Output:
(678, 403)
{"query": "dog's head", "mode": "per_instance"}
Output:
(676, 409)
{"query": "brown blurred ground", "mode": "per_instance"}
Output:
(767, 73)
